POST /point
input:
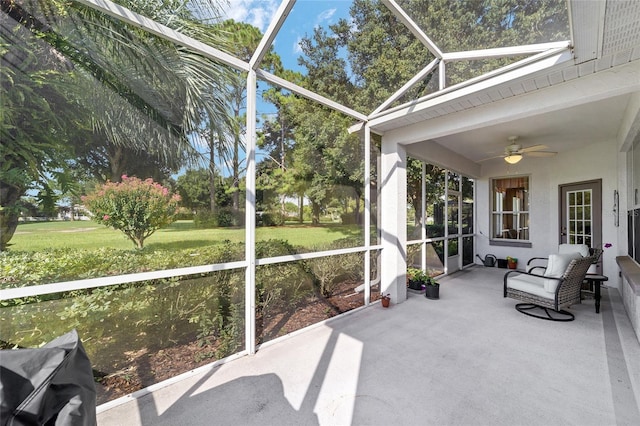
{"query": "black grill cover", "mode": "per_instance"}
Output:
(51, 385)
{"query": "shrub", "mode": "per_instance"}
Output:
(281, 285)
(137, 208)
(184, 214)
(18, 269)
(348, 218)
(225, 217)
(204, 219)
(329, 271)
(272, 219)
(222, 218)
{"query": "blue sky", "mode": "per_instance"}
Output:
(303, 18)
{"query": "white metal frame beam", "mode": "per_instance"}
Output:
(504, 52)
(470, 55)
(107, 281)
(250, 215)
(272, 31)
(367, 215)
(278, 81)
(64, 286)
(519, 69)
(413, 27)
(408, 85)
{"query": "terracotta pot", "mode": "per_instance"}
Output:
(385, 301)
(512, 264)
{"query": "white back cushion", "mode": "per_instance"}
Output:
(583, 249)
(558, 263)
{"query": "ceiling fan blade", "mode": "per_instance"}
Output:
(490, 158)
(540, 154)
(534, 148)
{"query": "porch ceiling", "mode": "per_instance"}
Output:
(562, 101)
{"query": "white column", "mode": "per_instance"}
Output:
(423, 213)
(393, 212)
(250, 218)
(442, 77)
(367, 214)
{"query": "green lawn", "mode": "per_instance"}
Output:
(36, 236)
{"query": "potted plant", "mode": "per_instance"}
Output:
(512, 262)
(386, 298)
(419, 279)
(415, 278)
(432, 289)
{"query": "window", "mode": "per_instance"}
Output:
(633, 213)
(580, 207)
(510, 208)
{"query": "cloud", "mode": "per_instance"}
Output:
(296, 45)
(258, 13)
(323, 16)
(326, 15)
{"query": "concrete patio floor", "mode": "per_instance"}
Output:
(467, 359)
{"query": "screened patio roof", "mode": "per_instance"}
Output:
(603, 36)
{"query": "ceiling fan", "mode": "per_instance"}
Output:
(514, 152)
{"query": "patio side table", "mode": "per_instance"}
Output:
(596, 280)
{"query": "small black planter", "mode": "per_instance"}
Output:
(432, 291)
(415, 285)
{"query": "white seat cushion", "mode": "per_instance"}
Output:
(529, 284)
(558, 263)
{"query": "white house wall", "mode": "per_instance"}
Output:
(592, 161)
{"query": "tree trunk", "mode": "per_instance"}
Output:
(357, 209)
(9, 196)
(417, 210)
(315, 215)
(301, 208)
(116, 155)
(236, 175)
(212, 173)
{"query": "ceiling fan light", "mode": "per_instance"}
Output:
(513, 158)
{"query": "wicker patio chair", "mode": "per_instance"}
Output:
(546, 296)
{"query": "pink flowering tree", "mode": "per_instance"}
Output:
(136, 207)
